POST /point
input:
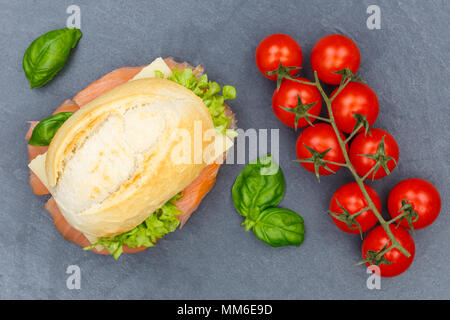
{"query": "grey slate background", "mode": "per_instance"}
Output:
(406, 63)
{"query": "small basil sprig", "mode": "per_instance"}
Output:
(46, 55)
(46, 129)
(256, 192)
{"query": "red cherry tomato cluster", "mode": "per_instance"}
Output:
(373, 153)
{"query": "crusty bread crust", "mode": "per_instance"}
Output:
(154, 178)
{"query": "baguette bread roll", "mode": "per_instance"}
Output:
(111, 164)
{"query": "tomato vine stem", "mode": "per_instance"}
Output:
(368, 173)
(359, 180)
(335, 163)
(403, 214)
(319, 118)
(355, 131)
(360, 212)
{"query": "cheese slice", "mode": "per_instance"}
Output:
(149, 71)
(37, 165)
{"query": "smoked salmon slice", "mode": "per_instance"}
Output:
(67, 106)
(73, 235)
(192, 195)
(104, 84)
(196, 191)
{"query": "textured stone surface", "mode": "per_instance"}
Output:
(406, 63)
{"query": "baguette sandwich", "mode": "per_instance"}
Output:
(130, 157)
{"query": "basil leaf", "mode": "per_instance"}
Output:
(46, 55)
(260, 185)
(45, 130)
(279, 227)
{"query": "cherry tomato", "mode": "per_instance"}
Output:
(287, 97)
(320, 137)
(356, 97)
(332, 53)
(351, 198)
(278, 48)
(368, 144)
(421, 195)
(377, 239)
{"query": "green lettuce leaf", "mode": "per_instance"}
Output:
(156, 226)
(209, 91)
